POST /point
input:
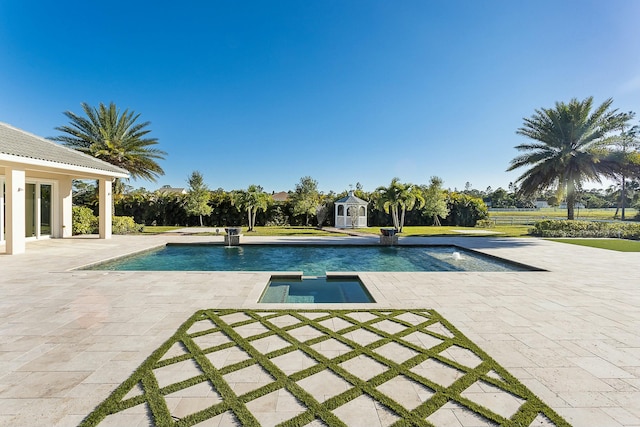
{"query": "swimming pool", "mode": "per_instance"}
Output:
(312, 260)
(316, 290)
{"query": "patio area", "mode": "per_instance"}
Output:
(570, 334)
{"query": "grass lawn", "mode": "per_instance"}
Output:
(423, 231)
(562, 213)
(150, 229)
(611, 244)
(259, 231)
(507, 231)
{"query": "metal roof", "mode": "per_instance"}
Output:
(350, 199)
(16, 142)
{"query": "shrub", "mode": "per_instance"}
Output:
(565, 228)
(83, 220)
(125, 225)
(485, 223)
(465, 210)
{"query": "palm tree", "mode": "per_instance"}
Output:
(626, 158)
(568, 148)
(115, 138)
(252, 200)
(397, 199)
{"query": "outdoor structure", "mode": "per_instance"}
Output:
(351, 211)
(36, 179)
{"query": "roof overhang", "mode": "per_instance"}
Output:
(80, 172)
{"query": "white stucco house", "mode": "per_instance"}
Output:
(36, 177)
(350, 211)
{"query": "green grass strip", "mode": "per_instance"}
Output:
(620, 245)
(153, 396)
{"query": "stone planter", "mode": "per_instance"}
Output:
(232, 238)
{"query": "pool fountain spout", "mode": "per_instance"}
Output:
(232, 238)
(388, 236)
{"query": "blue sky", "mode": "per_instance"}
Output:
(266, 92)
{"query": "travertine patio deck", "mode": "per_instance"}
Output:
(570, 334)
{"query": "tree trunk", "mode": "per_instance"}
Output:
(623, 197)
(249, 218)
(571, 199)
(253, 218)
(201, 223)
(394, 216)
(402, 220)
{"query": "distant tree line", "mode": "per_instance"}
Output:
(305, 205)
(568, 145)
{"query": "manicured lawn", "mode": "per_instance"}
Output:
(287, 231)
(503, 231)
(423, 231)
(150, 229)
(277, 231)
(611, 244)
(562, 213)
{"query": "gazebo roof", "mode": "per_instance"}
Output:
(350, 199)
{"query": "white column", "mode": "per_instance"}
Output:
(15, 214)
(65, 203)
(106, 202)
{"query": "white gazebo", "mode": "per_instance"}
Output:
(351, 212)
(36, 181)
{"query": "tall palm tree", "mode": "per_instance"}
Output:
(115, 138)
(625, 155)
(568, 148)
(252, 200)
(398, 198)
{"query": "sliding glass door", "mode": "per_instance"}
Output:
(38, 209)
(45, 209)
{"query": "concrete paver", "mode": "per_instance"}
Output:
(571, 333)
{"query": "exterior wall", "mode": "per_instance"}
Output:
(65, 207)
(15, 211)
(106, 201)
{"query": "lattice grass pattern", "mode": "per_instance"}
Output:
(321, 367)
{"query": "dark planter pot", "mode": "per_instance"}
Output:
(233, 231)
(388, 231)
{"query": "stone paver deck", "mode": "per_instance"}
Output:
(571, 334)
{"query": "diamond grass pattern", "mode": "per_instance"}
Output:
(321, 367)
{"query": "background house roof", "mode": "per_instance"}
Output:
(16, 142)
(170, 189)
(282, 196)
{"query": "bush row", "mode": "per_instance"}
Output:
(558, 228)
(85, 222)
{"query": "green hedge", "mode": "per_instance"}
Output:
(125, 225)
(85, 222)
(565, 228)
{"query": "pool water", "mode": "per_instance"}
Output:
(315, 290)
(311, 260)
